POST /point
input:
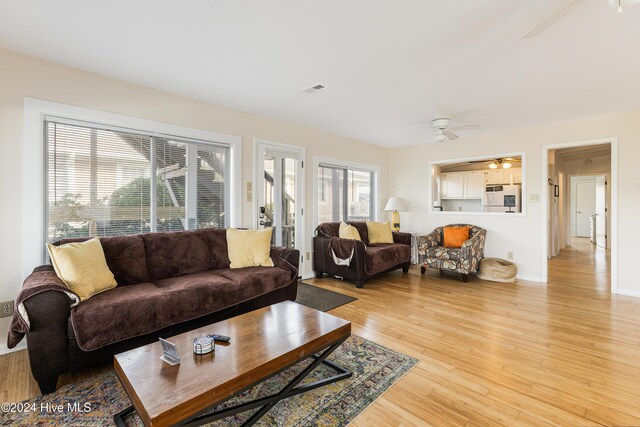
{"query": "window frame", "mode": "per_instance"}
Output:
(34, 180)
(347, 165)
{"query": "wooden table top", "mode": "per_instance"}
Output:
(262, 343)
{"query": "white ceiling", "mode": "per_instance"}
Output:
(390, 66)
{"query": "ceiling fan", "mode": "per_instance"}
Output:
(503, 162)
(568, 7)
(444, 131)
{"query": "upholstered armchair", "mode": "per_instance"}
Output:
(464, 260)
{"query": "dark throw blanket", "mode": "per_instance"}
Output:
(42, 279)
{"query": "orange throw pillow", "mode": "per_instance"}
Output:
(454, 237)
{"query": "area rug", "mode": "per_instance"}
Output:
(319, 298)
(375, 368)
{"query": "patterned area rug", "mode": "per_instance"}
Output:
(375, 369)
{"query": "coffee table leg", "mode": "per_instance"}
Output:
(290, 390)
(119, 417)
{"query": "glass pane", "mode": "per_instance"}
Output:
(98, 182)
(171, 178)
(359, 195)
(269, 191)
(288, 202)
(330, 194)
(212, 170)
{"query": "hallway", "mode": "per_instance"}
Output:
(581, 267)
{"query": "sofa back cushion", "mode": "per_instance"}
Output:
(332, 229)
(125, 255)
(176, 254)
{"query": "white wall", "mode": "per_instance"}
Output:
(22, 76)
(521, 234)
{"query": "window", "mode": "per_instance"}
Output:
(345, 194)
(105, 181)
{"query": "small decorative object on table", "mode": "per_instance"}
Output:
(203, 345)
(169, 352)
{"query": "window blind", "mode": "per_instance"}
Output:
(105, 182)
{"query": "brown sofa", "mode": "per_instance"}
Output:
(368, 259)
(168, 283)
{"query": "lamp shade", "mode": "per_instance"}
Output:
(396, 204)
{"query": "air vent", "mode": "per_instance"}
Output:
(315, 88)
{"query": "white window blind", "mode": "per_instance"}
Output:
(345, 194)
(99, 181)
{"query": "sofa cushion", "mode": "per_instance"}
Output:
(442, 253)
(176, 254)
(131, 311)
(361, 226)
(257, 280)
(82, 267)
(381, 257)
(125, 257)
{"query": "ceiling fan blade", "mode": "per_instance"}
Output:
(464, 127)
(450, 135)
(553, 18)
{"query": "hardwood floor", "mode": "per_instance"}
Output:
(490, 354)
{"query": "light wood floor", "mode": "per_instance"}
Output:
(490, 354)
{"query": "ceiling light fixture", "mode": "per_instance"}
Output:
(493, 165)
(619, 6)
(506, 165)
(440, 137)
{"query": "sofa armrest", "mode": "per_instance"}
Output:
(47, 339)
(474, 247)
(402, 238)
(279, 254)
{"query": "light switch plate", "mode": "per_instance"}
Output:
(534, 198)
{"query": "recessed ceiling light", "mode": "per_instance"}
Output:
(314, 88)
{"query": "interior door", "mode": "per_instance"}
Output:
(585, 207)
(601, 211)
(279, 197)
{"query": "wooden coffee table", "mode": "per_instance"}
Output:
(263, 343)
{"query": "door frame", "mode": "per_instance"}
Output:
(613, 142)
(258, 145)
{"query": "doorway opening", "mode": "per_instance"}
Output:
(581, 214)
(279, 201)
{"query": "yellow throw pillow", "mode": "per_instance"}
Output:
(348, 232)
(82, 267)
(379, 232)
(249, 248)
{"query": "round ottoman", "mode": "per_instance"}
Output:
(497, 270)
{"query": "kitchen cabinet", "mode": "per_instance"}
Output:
(474, 185)
(503, 176)
(452, 185)
(462, 185)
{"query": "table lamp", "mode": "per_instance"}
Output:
(395, 204)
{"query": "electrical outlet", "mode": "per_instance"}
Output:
(6, 308)
(509, 254)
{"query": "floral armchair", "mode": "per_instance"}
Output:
(464, 260)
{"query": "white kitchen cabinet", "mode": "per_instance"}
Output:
(462, 185)
(517, 175)
(503, 176)
(474, 185)
(452, 185)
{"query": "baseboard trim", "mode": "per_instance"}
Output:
(308, 276)
(627, 293)
(536, 279)
(6, 350)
